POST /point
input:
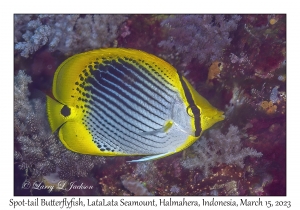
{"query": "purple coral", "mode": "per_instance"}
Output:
(33, 40)
(219, 148)
(175, 189)
(69, 34)
(148, 172)
(202, 37)
(134, 186)
(274, 95)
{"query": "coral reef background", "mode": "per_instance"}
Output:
(237, 62)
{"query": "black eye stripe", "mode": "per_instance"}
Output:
(192, 106)
(194, 111)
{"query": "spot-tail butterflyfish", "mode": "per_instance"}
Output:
(116, 101)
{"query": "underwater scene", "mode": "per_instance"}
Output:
(164, 105)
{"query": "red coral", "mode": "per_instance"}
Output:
(44, 64)
(145, 33)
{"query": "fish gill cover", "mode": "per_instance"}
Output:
(237, 62)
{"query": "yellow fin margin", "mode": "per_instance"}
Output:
(76, 137)
(53, 110)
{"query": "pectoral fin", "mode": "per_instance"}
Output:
(163, 129)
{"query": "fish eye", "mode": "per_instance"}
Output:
(65, 111)
(190, 112)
